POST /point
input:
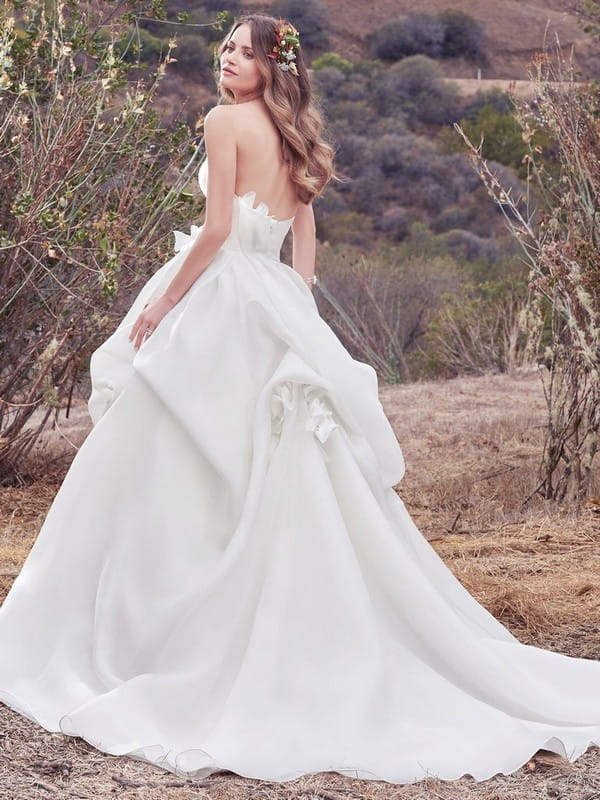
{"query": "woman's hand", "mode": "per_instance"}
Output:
(148, 320)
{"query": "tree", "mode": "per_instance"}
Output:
(86, 213)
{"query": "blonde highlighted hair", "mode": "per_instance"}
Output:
(289, 100)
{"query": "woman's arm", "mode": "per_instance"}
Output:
(304, 241)
(220, 144)
(221, 152)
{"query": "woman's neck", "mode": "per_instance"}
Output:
(247, 98)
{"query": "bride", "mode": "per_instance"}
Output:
(226, 579)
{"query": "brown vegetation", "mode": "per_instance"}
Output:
(467, 87)
(472, 447)
(560, 245)
(92, 187)
(516, 30)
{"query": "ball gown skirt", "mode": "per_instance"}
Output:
(227, 580)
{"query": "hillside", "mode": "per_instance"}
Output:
(516, 30)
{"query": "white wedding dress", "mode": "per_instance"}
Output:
(228, 580)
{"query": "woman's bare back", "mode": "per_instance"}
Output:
(260, 164)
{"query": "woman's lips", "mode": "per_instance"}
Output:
(227, 71)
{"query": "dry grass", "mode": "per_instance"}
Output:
(471, 447)
(525, 89)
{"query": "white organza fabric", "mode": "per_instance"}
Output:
(227, 579)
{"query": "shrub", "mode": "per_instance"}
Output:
(332, 60)
(416, 87)
(413, 34)
(404, 156)
(434, 196)
(336, 84)
(349, 227)
(330, 202)
(328, 82)
(356, 87)
(233, 6)
(194, 57)
(489, 328)
(490, 119)
(390, 124)
(392, 167)
(450, 34)
(353, 115)
(463, 36)
(501, 137)
(380, 306)
(144, 47)
(395, 223)
(501, 101)
(354, 150)
(390, 152)
(458, 216)
(310, 17)
(467, 246)
(367, 191)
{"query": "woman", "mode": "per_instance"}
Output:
(227, 578)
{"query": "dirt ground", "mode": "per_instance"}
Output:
(471, 447)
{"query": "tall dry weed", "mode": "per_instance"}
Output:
(560, 243)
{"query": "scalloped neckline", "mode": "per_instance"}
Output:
(262, 208)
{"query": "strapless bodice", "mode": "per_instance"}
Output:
(253, 229)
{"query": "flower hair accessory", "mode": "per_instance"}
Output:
(285, 49)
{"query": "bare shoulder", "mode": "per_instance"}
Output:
(219, 118)
(223, 116)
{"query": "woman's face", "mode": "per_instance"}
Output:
(239, 68)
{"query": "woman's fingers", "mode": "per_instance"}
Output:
(134, 331)
(144, 325)
(144, 332)
(139, 330)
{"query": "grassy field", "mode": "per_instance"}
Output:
(471, 447)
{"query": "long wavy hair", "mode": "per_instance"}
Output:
(293, 110)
